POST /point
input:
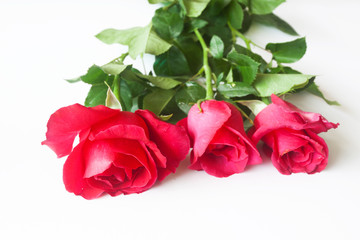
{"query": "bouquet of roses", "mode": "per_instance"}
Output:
(209, 91)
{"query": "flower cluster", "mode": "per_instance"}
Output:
(136, 127)
(122, 152)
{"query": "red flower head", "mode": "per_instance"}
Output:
(220, 145)
(118, 152)
(292, 135)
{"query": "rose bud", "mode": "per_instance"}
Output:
(220, 145)
(118, 152)
(291, 135)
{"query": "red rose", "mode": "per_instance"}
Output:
(292, 135)
(118, 152)
(220, 145)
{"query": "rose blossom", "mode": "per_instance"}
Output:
(220, 145)
(292, 135)
(118, 152)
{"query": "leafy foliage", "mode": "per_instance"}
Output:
(288, 52)
(139, 39)
(199, 54)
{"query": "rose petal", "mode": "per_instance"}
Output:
(141, 178)
(195, 164)
(274, 117)
(98, 157)
(126, 161)
(73, 170)
(122, 125)
(253, 154)
(314, 121)
(281, 114)
(67, 122)
(287, 140)
(220, 166)
(91, 192)
(171, 140)
(202, 126)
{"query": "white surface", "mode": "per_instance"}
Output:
(43, 42)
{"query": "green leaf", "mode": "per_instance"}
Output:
(193, 8)
(193, 54)
(235, 14)
(219, 66)
(113, 68)
(157, 100)
(216, 47)
(157, 1)
(254, 56)
(139, 39)
(95, 75)
(126, 98)
(267, 84)
(236, 89)
(167, 24)
(288, 52)
(246, 65)
(244, 2)
(255, 106)
(136, 85)
(171, 63)
(161, 82)
(195, 24)
(215, 7)
(314, 89)
(283, 69)
(230, 76)
(189, 95)
(220, 78)
(96, 95)
(111, 101)
(274, 21)
(74, 80)
(220, 30)
(261, 7)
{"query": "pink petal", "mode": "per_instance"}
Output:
(195, 164)
(202, 126)
(123, 125)
(98, 157)
(287, 141)
(274, 117)
(126, 161)
(67, 122)
(281, 114)
(253, 154)
(73, 171)
(141, 178)
(90, 192)
(314, 121)
(171, 140)
(220, 166)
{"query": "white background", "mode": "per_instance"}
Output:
(44, 42)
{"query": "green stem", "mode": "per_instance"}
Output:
(121, 58)
(206, 66)
(235, 32)
(197, 74)
(247, 41)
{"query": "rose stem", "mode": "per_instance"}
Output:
(209, 87)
